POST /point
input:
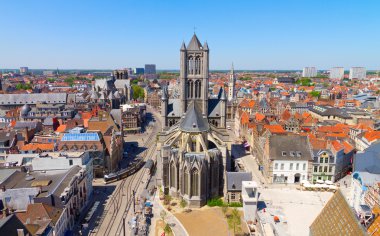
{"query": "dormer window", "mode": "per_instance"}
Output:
(233, 186)
(283, 153)
(299, 154)
(292, 154)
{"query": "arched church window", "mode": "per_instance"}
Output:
(172, 175)
(188, 89)
(196, 88)
(194, 182)
(199, 88)
(215, 174)
(191, 89)
(191, 66)
(185, 181)
(197, 65)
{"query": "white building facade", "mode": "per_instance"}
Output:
(358, 73)
(290, 172)
(309, 72)
(336, 73)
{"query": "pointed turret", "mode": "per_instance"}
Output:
(223, 96)
(205, 46)
(183, 47)
(164, 95)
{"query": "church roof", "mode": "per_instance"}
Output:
(194, 43)
(193, 120)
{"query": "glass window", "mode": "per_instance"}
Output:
(321, 160)
(320, 169)
(315, 168)
(282, 166)
(330, 169)
(276, 166)
(297, 166)
(326, 160)
(325, 169)
(332, 159)
(291, 166)
(304, 166)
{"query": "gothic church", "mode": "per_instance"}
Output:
(193, 156)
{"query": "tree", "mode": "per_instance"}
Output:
(315, 94)
(20, 86)
(167, 229)
(183, 203)
(163, 215)
(234, 220)
(70, 80)
(167, 199)
(138, 92)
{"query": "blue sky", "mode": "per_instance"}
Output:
(282, 34)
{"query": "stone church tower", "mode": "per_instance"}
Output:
(194, 87)
(193, 156)
(194, 74)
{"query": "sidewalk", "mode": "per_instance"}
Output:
(177, 227)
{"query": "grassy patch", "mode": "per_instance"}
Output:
(215, 202)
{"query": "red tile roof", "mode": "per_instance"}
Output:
(275, 129)
(36, 146)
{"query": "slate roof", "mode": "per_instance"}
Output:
(193, 120)
(369, 160)
(7, 136)
(330, 111)
(174, 106)
(33, 98)
(214, 107)
(10, 224)
(194, 43)
(289, 147)
(234, 180)
(121, 83)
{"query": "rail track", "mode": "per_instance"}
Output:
(130, 184)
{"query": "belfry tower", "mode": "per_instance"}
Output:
(194, 70)
(231, 85)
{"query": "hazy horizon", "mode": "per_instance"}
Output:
(260, 35)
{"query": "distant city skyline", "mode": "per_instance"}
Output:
(257, 35)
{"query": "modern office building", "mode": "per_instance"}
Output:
(24, 70)
(309, 72)
(358, 73)
(336, 73)
(138, 71)
(150, 69)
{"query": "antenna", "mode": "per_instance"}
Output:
(195, 29)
